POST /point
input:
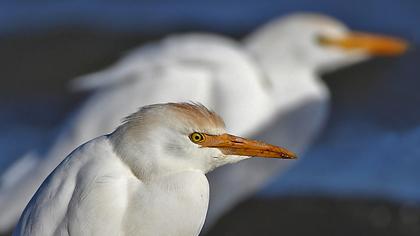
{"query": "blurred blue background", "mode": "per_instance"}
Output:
(370, 148)
(231, 17)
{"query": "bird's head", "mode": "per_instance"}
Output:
(318, 42)
(173, 137)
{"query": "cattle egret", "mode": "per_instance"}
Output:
(145, 178)
(291, 52)
(269, 80)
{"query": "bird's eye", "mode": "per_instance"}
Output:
(322, 40)
(197, 137)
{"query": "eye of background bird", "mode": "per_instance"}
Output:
(197, 137)
(322, 40)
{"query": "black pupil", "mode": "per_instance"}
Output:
(197, 137)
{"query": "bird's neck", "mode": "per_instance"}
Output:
(284, 53)
(281, 76)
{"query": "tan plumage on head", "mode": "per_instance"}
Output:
(193, 115)
(157, 123)
(198, 113)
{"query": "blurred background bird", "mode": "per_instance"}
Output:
(86, 48)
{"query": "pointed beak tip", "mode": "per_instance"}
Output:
(400, 47)
(289, 155)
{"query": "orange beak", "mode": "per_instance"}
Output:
(233, 145)
(378, 45)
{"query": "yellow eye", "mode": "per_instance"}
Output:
(197, 137)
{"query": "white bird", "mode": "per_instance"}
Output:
(269, 80)
(291, 52)
(145, 178)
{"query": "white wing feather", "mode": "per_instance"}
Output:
(93, 192)
(63, 203)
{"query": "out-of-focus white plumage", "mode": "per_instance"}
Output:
(268, 80)
(287, 52)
